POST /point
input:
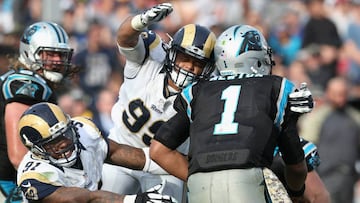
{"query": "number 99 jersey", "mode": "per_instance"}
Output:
(38, 178)
(143, 105)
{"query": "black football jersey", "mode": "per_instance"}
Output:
(234, 122)
(25, 87)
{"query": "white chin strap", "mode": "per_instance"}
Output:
(53, 76)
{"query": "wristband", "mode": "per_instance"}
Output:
(137, 24)
(297, 193)
(147, 159)
(129, 198)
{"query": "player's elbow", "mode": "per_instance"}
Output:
(15, 159)
(15, 162)
(157, 149)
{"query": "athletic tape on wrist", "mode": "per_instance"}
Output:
(137, 24)
(129, 198)
(147, 159)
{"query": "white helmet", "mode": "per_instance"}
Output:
(46, 36)
(242, 49)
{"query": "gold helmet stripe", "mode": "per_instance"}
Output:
(35, 122)
(189, 35)
(209, 44)
(59, 114)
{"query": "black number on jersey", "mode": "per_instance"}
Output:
(31, 166)
(139, 116)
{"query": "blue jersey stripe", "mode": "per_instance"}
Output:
(286, 88)
(187, 95)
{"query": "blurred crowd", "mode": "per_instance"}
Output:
(313, 41)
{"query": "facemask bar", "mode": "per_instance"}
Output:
(61, 66)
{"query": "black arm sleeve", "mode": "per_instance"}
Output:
(289, 141)
(175, 131)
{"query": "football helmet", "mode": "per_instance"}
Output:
(242, 49)
(45, 123)
(49, 37)
(194, 41)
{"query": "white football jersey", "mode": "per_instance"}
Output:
(142, 106)
(38, 178)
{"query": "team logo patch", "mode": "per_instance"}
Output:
(26, 38)
(251, 42)
(31, 193)
(28, 89)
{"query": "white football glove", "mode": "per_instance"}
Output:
(153, 15)
(301, 100)
(153, 195)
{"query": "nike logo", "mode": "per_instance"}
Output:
(26, 185)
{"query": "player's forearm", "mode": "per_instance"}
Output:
(127, 36)
(315, 190)
(295, 175)
(81, 195)
(126, 156)
(100, 196)
(171, 161)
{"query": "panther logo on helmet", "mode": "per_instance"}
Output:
(252, 41)
(242, 49)
(26, 38)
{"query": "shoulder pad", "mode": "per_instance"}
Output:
(25, 83)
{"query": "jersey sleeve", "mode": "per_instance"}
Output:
(174, 131)
(26, 87)
(311, 154)
(33, 189)
(90, 136)
(286, 121)
(37, 178)
(149, 45)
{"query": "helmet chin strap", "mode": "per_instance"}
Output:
(53, 76)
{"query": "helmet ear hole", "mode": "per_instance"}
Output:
(259, 64)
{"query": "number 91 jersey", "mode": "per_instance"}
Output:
(38, 178)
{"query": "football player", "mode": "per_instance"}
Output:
(65, 159)
(234, 122)
(155, 72)
(44, 61)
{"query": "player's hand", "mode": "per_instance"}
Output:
(153, 195)
(153, 15)
(156, 13)
(301, 100)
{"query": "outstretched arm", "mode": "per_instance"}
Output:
(126, 156)
(129, 31)
(81, 195)
(170, 160)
